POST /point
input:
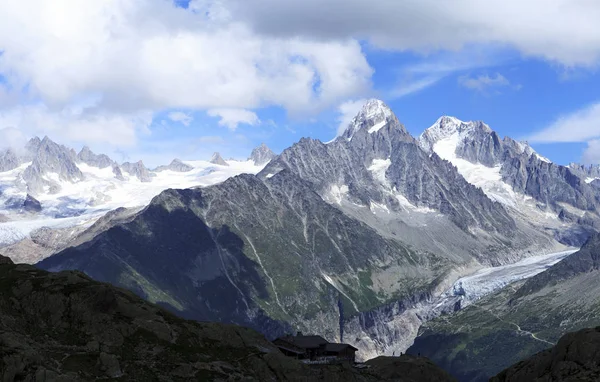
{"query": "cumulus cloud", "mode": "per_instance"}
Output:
(100, 70)
(231, 118)
(181, 117)
(483, 82)
(564, 31)
(75, 126)
(135, 56)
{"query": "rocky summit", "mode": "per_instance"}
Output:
(65, 327)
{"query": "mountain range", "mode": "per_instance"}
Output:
(359, 239)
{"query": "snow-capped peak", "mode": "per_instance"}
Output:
(529, 151)
(373, 116)
(446, 127)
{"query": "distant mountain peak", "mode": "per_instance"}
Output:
(373, 116)
(448, 126)
(218, 159)
(261, 155)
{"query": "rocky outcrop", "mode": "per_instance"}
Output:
(31, 204)
(261, 155)
(66, 327)
(96, 160)
(51, 163)
(175, 165)
(575, 358)
(217, 159)
(9, 160)
(138, 170)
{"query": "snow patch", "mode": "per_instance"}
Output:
(337, 193)
(378, 168)
(489, 179)
(376, 127)
(378, 207)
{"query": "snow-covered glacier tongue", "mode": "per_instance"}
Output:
(486, 281)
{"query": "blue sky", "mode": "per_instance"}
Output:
(158, 80)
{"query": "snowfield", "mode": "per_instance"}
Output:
(83, 202)
(489, 280)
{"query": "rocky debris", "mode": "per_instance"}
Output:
(261, 155)
(9, 160)
(96, 160)
(138, 170)
(575, 358)
(31, 204)
(64, 326)
(217, 159)
(175, 165)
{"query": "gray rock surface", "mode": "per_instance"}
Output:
(49, 158)
(175, 165)
(9, 160)
(261, 155)
(138, 170)
(31, 204)
(97, 160)
(217, 159)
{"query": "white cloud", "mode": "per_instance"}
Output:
(179, 116)
(348, 110)
(71, 125)
(591, 154)
(565, 31)
(580, 126)
(483, 82)
(418, 76)
(231, 118)
(135, 57)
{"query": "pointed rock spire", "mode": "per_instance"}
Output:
(373, 116)
(217, 159)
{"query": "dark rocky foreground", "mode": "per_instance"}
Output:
(576, 357)
(66, 327)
